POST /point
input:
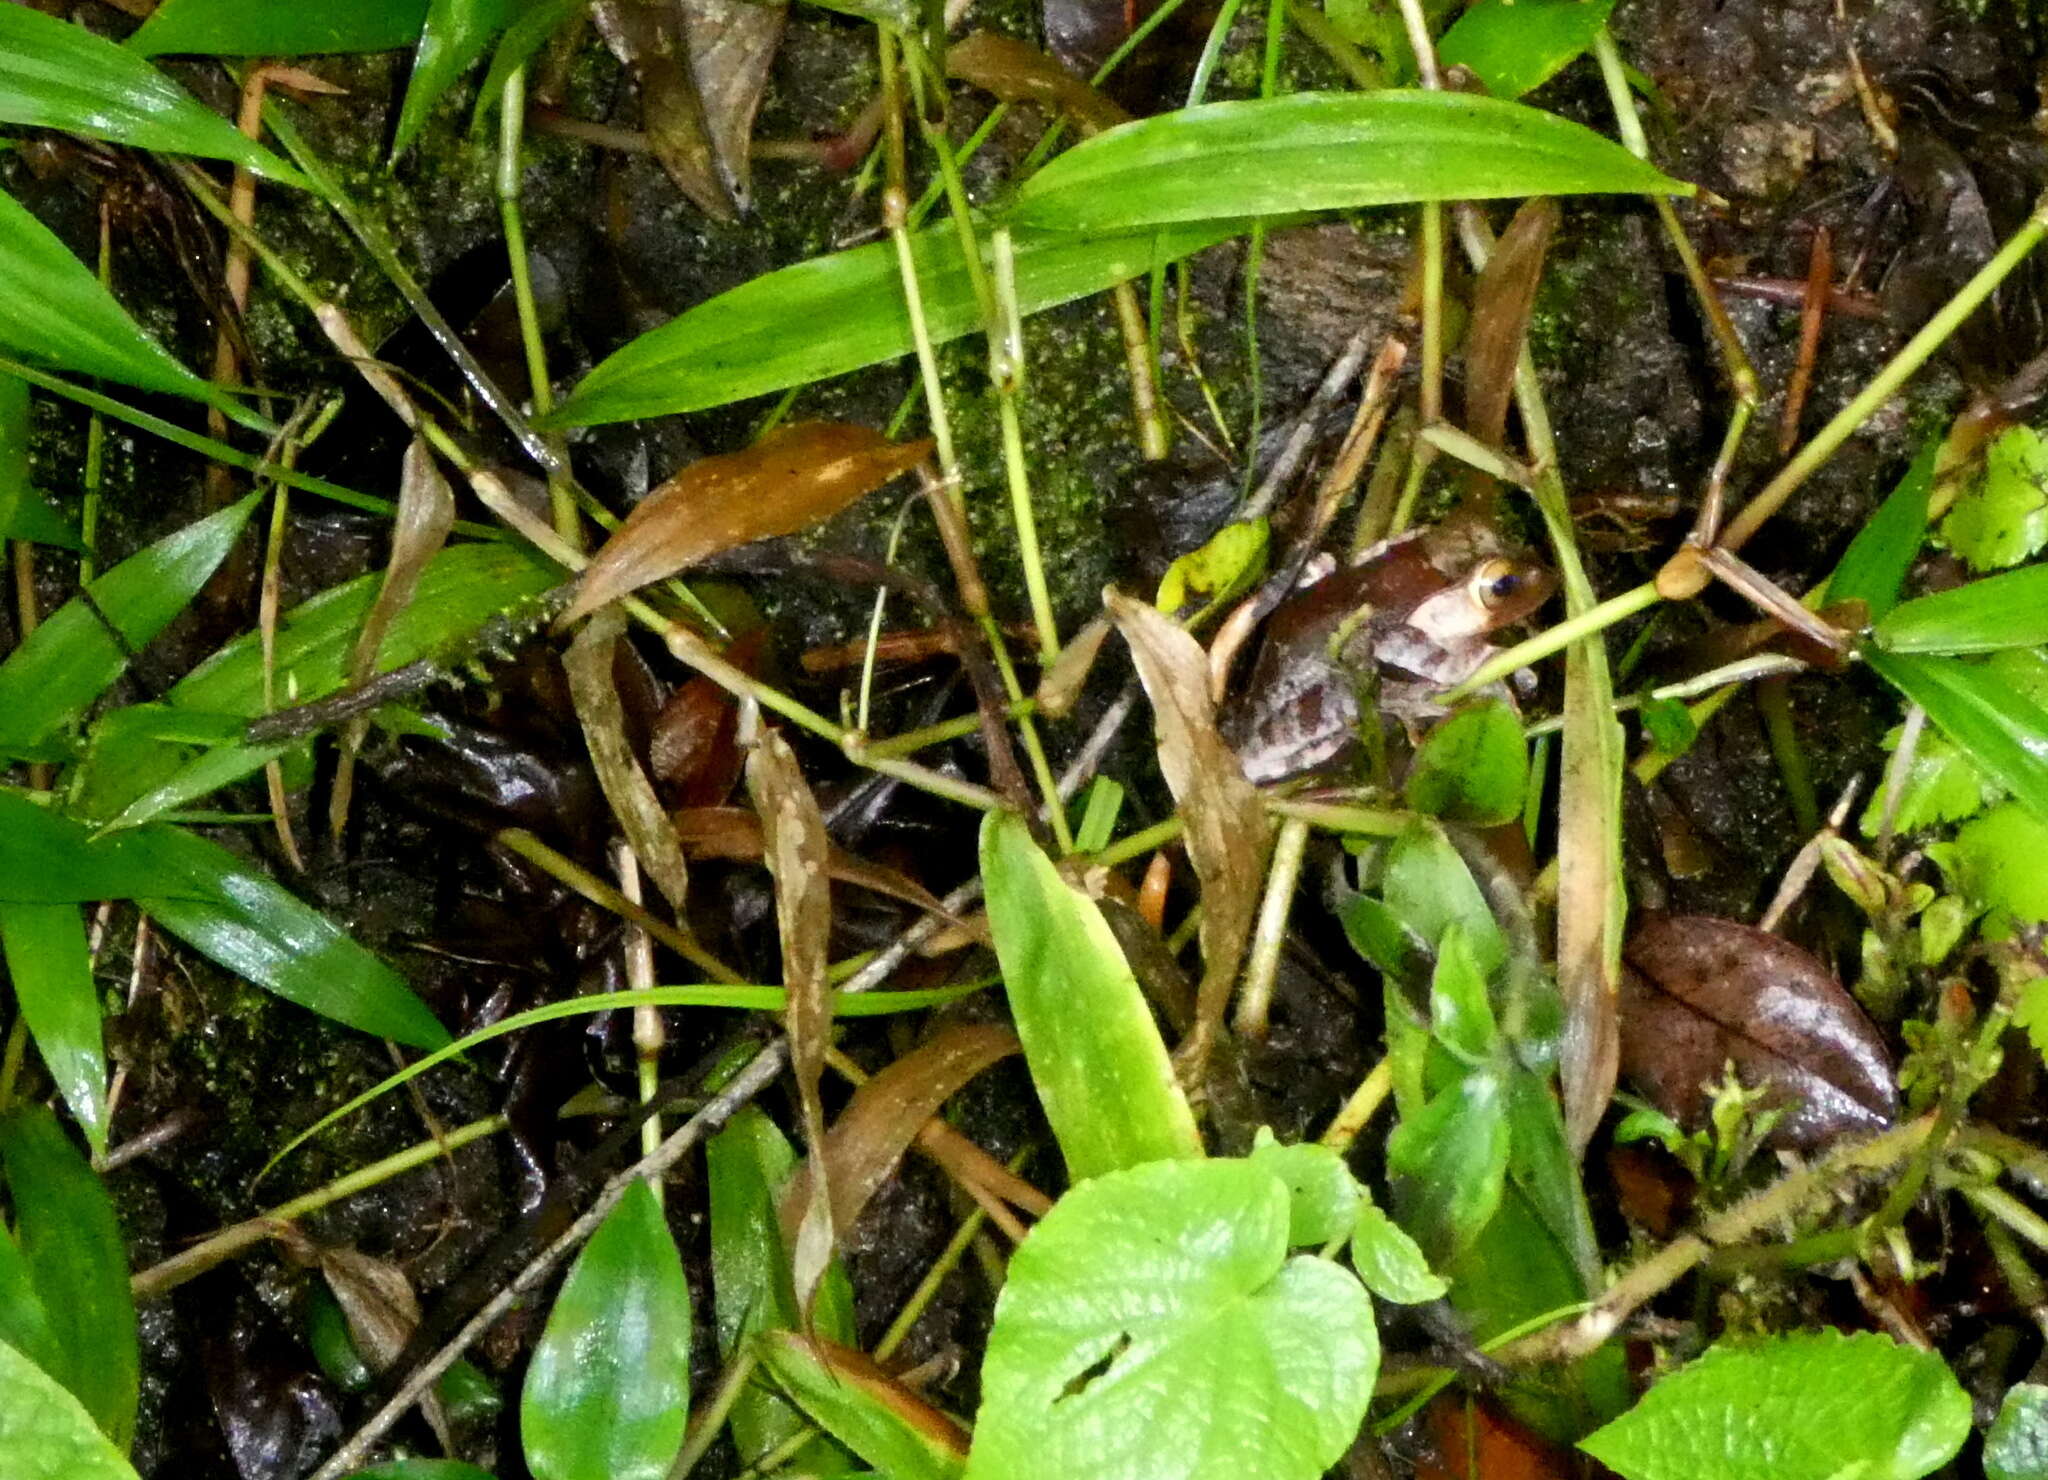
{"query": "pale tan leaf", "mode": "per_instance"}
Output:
(1061, 684)
(732, 46)
(649, 37)
(377, 1301)
(1590, 901)
(791, 479)
(1227, 828)
(1501, 304)
(641, 817)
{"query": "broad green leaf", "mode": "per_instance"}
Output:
(1320, 152)
(1153, 1327)
(857, 1404)
(54, 311)
(1389, 1262)
(1096, 1058)
(1803, 1407)
(457, 33)
(746, 1165)
(264, 28)
(608, 1390)
(2003, 517)
(57, 75)
(51, 969)
(234, 913)
(1875, 564)
(2001, 611)
(1450, 1163)
(1221, 570)
(1515, 46)
(48, 859)
(537, 21)
(1459, 1013)
(1474, 767)
(2031, 1015)
(23, 513)
(25, 1321)
(1428, 888)
(1994, 862)
(2000, 726)
(1385, 940)
(1543, 1171)
(2016, 1444)
(841, 312)
(71, 659)
(44, 1432)
(1322, 1195)
(78, 1265)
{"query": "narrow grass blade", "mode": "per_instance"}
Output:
(264, 28)
(52, 974)
(55, 312)
(1324, 151)
(838, 313)
(2002, 729)
(233, 912)
(57, 75)
(1096, 1057)
(1875, 564)
(457, 33)
(2001, 611)
(72, 1246)
(71, 659)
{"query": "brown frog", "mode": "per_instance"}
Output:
(1416, 614)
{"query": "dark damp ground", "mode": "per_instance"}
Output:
(1753, 101)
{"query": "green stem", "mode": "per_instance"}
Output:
(1556, 639)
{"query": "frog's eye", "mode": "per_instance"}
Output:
(1495, 582)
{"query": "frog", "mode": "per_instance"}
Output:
(1411, 617)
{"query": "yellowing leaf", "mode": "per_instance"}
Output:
(791, 479)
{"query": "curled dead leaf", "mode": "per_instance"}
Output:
(1020, 73)
(793, 478)
(1703, 992)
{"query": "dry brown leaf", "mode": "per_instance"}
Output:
(1590, 902)
(642, 818)
(791, 479)
(1501, 304)
(1018, 73)
(796, 852)
(858, 1370)
(1060, 686)
(377, 1301)
(734, 835)
(732, 46)
(650, 38)
(887, 1114)
(1227, 828)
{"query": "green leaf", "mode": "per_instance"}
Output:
(25, 1321)
(457, 33)
(1803, 1407)
(1322, 1195)
(57, 75)
(608, 1391)
(48, 859)
(1220, 570)
(1474, 767)
(51, 969)
(264, 28)
(1385, 940)
(71, 659)
(1875, 564)
(1459, 1013)
(1429, 889)
(746, 1166)
(72, 1247)
(54, 311)
(2016, 1444)
(1096, 1058)
(841, 312)
(45, 1434)
(235, 914)
(1324, 151)
(1389, 1262)
(2031, 1015)
(1940, 785)
(1669, 726)
(1994, 862)
(2003, 517)
(1517, 45)
(1153, 1327)
(859, 1407)
(1451, 1162)
(23, 513)
(537, 21)
(1998, 724)
(2001, 611)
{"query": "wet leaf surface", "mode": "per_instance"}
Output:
(1703, 992)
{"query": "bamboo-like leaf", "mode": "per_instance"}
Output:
(52, 974)
(1324, 151)
(457, 32)
(23, 513)
(71, 659)
(55, 312)
(608, 1391)
(57, 75)
(1875, 564)
(47, 1433)
(71, 1245)
(233, 912)
(841, 312)
(2002, 611)
(264, 28)
(1096, 1057)
(2002, 728)
(793, 478)
(1516, 45)
(48, 859)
